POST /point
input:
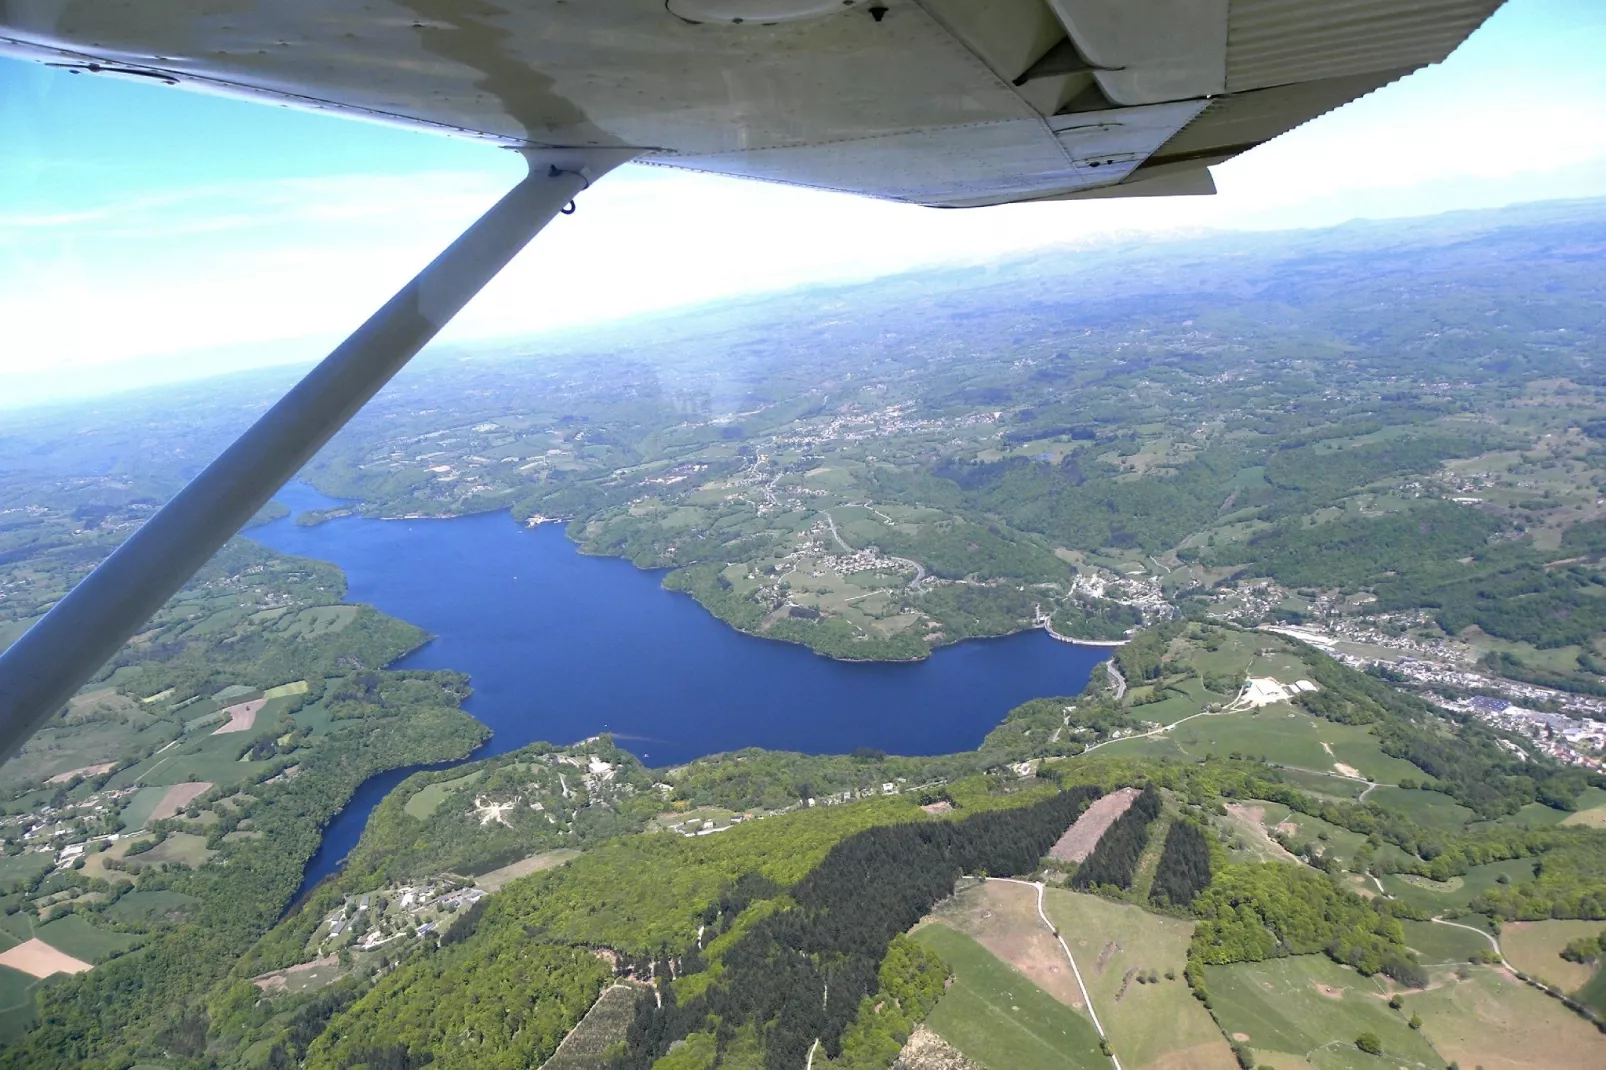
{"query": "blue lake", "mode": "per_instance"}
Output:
(561, 646)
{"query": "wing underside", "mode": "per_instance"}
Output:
(940, 102)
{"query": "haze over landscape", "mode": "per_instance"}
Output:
(779, 631)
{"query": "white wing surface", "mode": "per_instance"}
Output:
(939, 102)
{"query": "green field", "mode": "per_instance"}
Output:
(1494, 1020)
(78, 938)
(1533, 816)
(428, 799)
(1312, 1009)
(151, 906)
(1534, 947)
(1431, 808)
(1111, 941)
(24, 867)
(1000, 1019)
(140, 805)
(17, 1009)
(1457, 892)
(17, 928)
(183, 847)
(1284, 735)
(1321, 784)
(1437, 944)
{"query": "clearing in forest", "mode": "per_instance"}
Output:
(496, 878)
(1124, 953)
(177, 798)
(927, 1051)
(301, 977)
(38, 959)
(241, 717)
(1080, 839)
(1249, 820)
(1002, 917)
(604, 1026)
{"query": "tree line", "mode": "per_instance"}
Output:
(800, 975)
(1114, 862)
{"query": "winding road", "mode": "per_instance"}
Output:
(1087, 1000)
(1117, 681)
(920, 570)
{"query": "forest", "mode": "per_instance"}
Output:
(1256, 911)
(800, 974)
(1184, 869)
(1115, 860)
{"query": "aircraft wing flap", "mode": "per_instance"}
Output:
(941, 102)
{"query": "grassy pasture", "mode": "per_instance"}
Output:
(151, 906)
(24, 867)
(182, 847)
(1001, 916)
(1534, 947)
(997, 1017)
(1497, 1022)
(140, 805)
(497, 878)
(17, 1008)
(1322, 785)
(424, 802)
(1591, 809)
(1532, 816)
(1284, 735)
(58, 748)
(75, 936)
(315, 621)
(214, 759)
(312, 719)
(1431, 808)
(1175, 707)
(1458, 892)
(17, 928)
(1110, 941)
(1310, 1009)
(1438, 944)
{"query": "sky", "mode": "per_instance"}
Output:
(150, 234)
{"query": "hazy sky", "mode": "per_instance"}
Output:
(139, 223)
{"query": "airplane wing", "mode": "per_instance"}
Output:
(950, 103)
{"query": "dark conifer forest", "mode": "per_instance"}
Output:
(800, 974)
(1184, 866)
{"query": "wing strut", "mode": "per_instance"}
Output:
(65, 647)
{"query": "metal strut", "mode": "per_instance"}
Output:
(64, 648)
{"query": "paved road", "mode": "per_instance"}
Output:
(1117, 681)
(920, 570)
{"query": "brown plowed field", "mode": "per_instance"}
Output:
(177, 798)
(241, 717)
(38, 959)
(1002, 917)
(1080, 839)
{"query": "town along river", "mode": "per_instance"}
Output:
(560, 646)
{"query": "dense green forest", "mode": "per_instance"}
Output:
(1184, 867)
